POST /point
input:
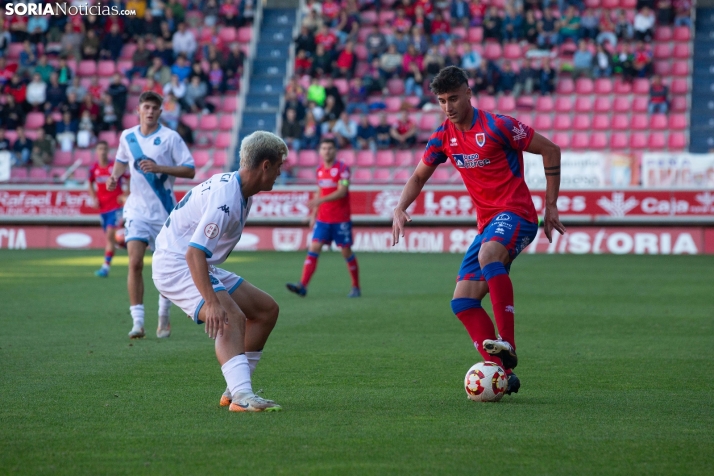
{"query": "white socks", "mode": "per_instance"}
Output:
(137, 315)
(237, 374)
(164, 312)
(253, 359)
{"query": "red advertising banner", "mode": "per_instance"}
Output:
(376, 204)
(442, 239)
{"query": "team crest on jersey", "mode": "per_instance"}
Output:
(333, 172)
(157, 141)
(211, 231)
(469, 161)
(480, 139)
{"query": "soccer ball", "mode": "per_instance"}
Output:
(485, 382)
(120, 238)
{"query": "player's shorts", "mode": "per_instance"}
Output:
(111, 219)
(340, 233)
(141, 231)
(177, 285)
(509, 229)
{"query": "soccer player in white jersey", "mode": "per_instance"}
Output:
(199, 234)
(155, 155)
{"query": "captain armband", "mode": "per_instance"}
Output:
(345, 182)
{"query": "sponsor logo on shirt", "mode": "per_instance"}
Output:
(519, 132)
(503, 217)
(500, 230)
(470, 161)
(453, 142)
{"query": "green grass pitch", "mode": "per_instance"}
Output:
(615, 355)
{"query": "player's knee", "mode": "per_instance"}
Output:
(136, 264)
(272, 311)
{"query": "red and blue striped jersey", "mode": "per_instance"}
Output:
(489, 157)
(329, 180)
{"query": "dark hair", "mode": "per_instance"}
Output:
(102, 142)
(151, 96)
(329, 140)
(449, 79)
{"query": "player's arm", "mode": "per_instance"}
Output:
(182, 171)
(411, 191)
(215, 315)
(117, 171)
(92, 193)
(341, 192)
(551, 163)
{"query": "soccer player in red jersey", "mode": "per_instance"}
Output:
(487, 150)
(109, 203)
(330, 219)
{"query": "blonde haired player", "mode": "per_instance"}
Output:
(198, 236)
(155, 156)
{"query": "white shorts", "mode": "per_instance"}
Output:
(141, 231)
(174, 281)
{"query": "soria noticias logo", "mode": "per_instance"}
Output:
(26, 9)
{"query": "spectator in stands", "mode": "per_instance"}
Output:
(366, 135)
(292, 102)
(36, 92)
(471, 59)
(326, 38)
(477, 12)
(71, 105)
(373, 80)
(71, 42)
(90, 46)
(440, 29)
(66, 132)
(64, 72)
(184, 42)
(195, 98)
(644, 24)
(76, 87)
(484, 80)
(317, 111)
(85, 134)
(332, 110)
(181, 68)
(37, 26)
(43, 150)
(357, 97)
(110, 118)
(230, 14)
(376, 44)
(22, 148)
(390, 63)
(305, 41)
(89, 106)
(582, 61)
(507, 79)
(4, 142)
(623, 62)
(623, 27)
(607, 30)
(529, 28)
(140, 60)
(311, 132)
(346, 62)
(400, 41)
(453, 58)
(528, 78)
(163, 50)
(316, 92)
(303, 64)
(112, 44)
(420, 42)
(345, 131)
(642, 63)
(18, 91)
(7, 71)
(197, 70)
(28, 58)
(50, 126)
(414, 81)
(55, 93)
(403, 133)
(659, 101)
(210, 13)
(216, 79)
(547, 78)
(460, 12)
(119, 92)
(313, 21)
(569, 25)
(171, 111)
(383, 133)
(589, 22)
(175, 87)
(158, 71)
(5, 40)
(18, 28)
(683, 13)
(512, 24)
(493, 25)
(547, 33)
(43, 68)
(321, 62)
(401, 23)
(291, 130)
(347, 26)
(602, 63)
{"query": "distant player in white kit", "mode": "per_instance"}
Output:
(199, 234)
(155, 155)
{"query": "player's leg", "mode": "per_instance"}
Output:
(321, 234)
(135, 285)
(109, 224)
(342, 233)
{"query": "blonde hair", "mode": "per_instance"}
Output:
(260, 146)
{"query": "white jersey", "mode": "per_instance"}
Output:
(210, 217)
(152, 196)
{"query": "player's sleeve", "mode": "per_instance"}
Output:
(180, 153)
(513, 133)
(345, 175)
(92, 172)
(123, 155)
(217, 217)
(433, 154)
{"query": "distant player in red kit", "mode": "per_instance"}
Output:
(487, 150)
(109, 203)
(331, 218)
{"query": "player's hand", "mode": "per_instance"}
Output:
(121, 199)
(401, 217)
(149, 166)
(313, 204)
(552, 222)
(311, 223)
(95, 203)
(111, 183)
(215, 318)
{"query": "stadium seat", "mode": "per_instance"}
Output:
(368, 17)
(562, 139)
(347, 156)
(641, 86)
(602, 104)
(385, 158)
(191, 120)
(365, 158)
(580, 141)
(662, 51)
(680, 86)
(598, 141)
(14, 50)
(111, 137)
(512, 51)
(565, 86)
(56, 173)
(619, 141)
(405, 158)
(396, 87)
(663, 68)
(228, 103)
(583, 104)
(18, 173)
(341, 85)
(677, 122)
(402, 175)
(291, 160)
(677, 141)
(680, 68)
(386, 17)
(487, 103)
(34, 120)
(659, 122)
(62, 158)
(678, 104)
(492, 51)
(132, 103)
(361, 51)
(84, 156)
(663, 33)
(383, 175)
(584, 86)
(543, 122)
(362, 176)
(306, 175)
(38, 174)
(564, 104)
(208, 122)
(639, 122)
(441, 175)
(545, 104)
(476, 35)
(106, 68)
(200, 157)
(308, 158)
(429, 122)
(621, 104)
(562, 122)
(601, 122)
(228, 34)
(640, 104)
(638, 140)
(87, 68)
(130, 120)
(506, 105)
(81, 174)
(622, 87)
(603, 86)
(682, 33)
(393, 103)
(620, 122)
(526, 118)
(244, 34)
(681, 51)
(656, 141)
(582, 122)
